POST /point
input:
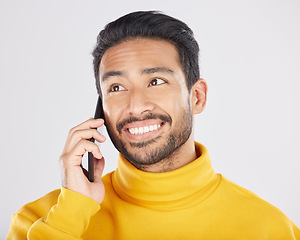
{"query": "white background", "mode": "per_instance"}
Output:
(250, 58)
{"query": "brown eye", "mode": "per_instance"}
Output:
(116, 88)
(156, 81)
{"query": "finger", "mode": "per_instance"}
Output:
(74, 157)
(78, 135)
(99, 167)
(88, 124)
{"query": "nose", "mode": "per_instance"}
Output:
(139, 102)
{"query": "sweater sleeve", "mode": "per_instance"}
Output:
(296, 232)
(67, 219)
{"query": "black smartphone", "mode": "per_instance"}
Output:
(98, 114)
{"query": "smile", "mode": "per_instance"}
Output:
(143, 130)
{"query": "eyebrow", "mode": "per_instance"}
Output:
(144, 71)
(112, 74)
(156, 70)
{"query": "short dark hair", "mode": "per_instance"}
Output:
(153, 25)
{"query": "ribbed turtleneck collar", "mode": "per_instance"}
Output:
(179, 188)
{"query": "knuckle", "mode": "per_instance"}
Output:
(96, 149)
(82, 142)
(72, 130)
(75, 133)
(83, 145)
(62, 160)
(95, 132)
(61, 157)
(88, 145)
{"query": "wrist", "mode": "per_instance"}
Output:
(72, 212)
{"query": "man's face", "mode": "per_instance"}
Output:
(145, 100)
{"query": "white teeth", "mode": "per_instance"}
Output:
(136, 131)
(142, 130)
(146, 129)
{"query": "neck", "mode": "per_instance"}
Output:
(182, 156)
(181, 188)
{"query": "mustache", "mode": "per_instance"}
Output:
(164, 118)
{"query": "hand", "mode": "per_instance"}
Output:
(76, 145)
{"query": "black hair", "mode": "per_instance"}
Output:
(152, 25)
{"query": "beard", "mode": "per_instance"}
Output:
(146, 153)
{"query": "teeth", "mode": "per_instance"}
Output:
(146, 129)
(142, 130)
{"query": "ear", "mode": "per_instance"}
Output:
(198, 96)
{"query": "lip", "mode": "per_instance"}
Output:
(151, 123)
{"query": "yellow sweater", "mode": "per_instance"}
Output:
(192, 202)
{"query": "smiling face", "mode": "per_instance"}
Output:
(146, 102)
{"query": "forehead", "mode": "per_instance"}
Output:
(138, 54)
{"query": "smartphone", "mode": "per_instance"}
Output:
(98, 114)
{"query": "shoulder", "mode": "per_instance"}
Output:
(255, 212)
(241, 197)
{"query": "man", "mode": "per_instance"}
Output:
(147, 74)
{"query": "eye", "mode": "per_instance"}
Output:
(116, 88)
(156, 81)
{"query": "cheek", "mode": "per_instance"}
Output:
(175, 104)
(111, 111)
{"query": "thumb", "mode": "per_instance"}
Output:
(99, 167)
